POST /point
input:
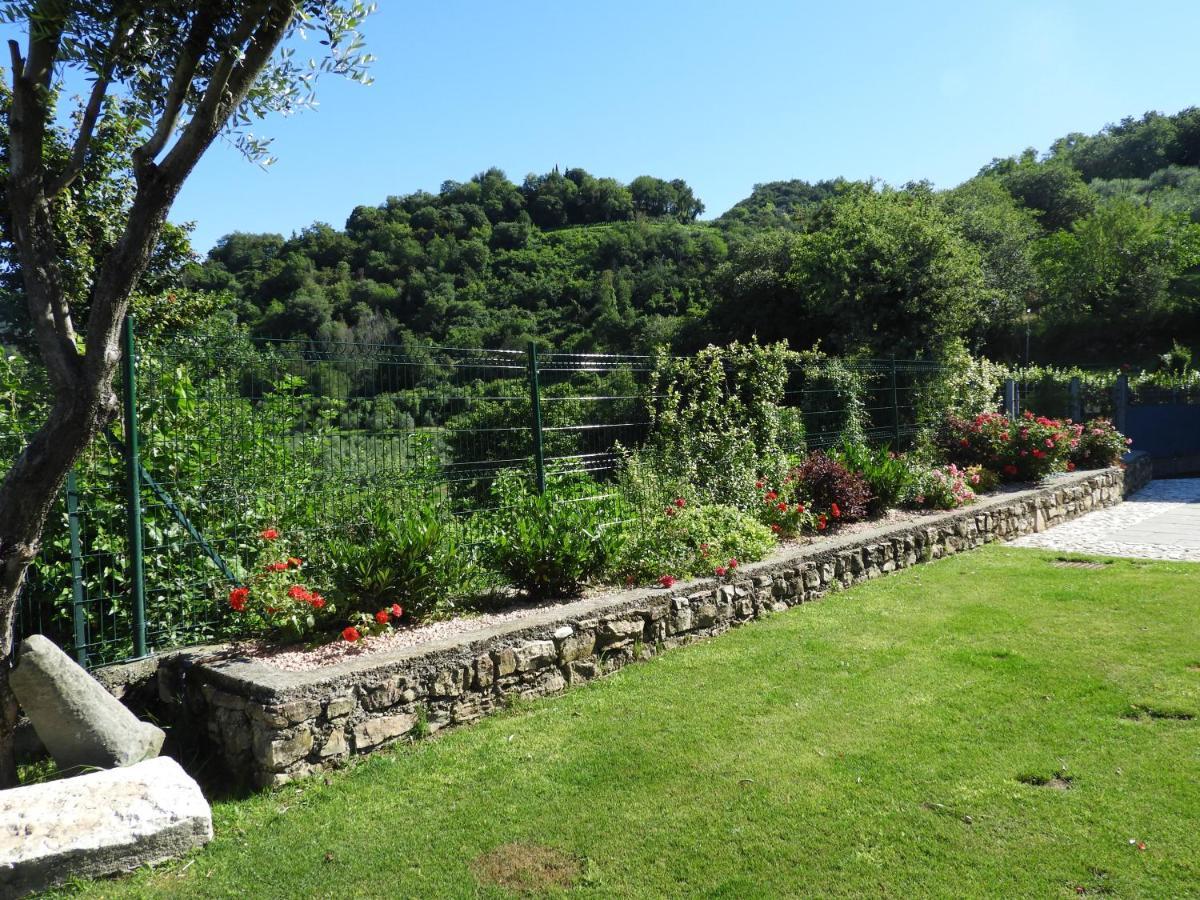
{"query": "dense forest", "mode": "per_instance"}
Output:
(1088, 252)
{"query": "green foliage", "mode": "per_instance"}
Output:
(551, 544)
(718, 419)
(888, 475)
(690, 541)
(405, 551)
(883, 271)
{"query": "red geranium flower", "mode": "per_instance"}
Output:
(298, 592)
(667, 581)
(833, 508)
(720, 571)
(276, 567)
(316, 601)
(351, 634)
(771, 495)
(382, 617)
(295, 561)
(776, 529)
(782, 507)
(680, 503)
(1010, 469)
(1070, 466)
(238, 597)
(733, 563)
(759, 484)
(821, 522)
(269, 534)
(397, 611)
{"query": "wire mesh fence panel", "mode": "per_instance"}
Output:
(238, 435)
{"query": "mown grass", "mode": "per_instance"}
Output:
(988, 725)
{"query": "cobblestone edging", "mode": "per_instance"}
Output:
(270, 726)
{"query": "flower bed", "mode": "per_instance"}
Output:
(270, 725)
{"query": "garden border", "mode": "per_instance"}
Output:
(269, 726)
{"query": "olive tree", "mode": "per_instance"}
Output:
(179, 73)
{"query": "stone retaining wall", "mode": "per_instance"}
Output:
(269, 726)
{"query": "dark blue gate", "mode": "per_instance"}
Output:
(1164, 422)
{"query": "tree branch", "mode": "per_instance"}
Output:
(91, 112)
(185, 67)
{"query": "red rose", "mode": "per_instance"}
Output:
(833, 508)
(667, 581)
(1010, 469)
(733, 563)
(1070, 466)
(680, 503)
(295, 561)
(720, 571)
(821, 522)
(776, 529)
(397, 611)
(269, 534)
(382, 617)
(238, 597)
(350, 633)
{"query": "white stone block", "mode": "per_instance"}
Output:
(98, 824)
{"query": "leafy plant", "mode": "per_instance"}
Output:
(691, 540)
(550, 544)
(831, 490)
(405, 552)
(888, 475)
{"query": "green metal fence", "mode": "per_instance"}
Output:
(220, 435)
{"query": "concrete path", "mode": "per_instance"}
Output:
(1161, 521)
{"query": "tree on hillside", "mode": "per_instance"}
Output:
(882, 272)
(176, 75)
(1053, 189)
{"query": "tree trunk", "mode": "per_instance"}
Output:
(27, 495)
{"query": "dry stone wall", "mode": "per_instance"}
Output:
(271, 726)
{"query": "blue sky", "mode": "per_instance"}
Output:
(722, 94)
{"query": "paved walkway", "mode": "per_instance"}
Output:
(1161, 521)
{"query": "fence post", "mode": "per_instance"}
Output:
(895, 409)
(78, 615)
(133, 491)
(1120, 401)
(1010, 398)
(1076, 399)
(535, 418)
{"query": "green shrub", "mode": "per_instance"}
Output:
(551, 544)
(691, 540)
(888, 475)
(407, 553)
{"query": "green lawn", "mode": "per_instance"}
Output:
(872, 744)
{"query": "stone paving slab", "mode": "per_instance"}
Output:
(1161, 521)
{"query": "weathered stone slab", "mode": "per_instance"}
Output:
(98, 824)
(80, 722)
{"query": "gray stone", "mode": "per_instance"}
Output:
(80, 723)
(373, 732)
(563, 633)
(280, 753)
(98, 824)
(339, 707)
(335, 746)
(535, 655)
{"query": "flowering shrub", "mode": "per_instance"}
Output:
(830, 490)
(363, 625)
(691, 541)
(982, 479)
(1028, 449)
(946, 487)
(781, 509)
(274, 597)
(1100, 445)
